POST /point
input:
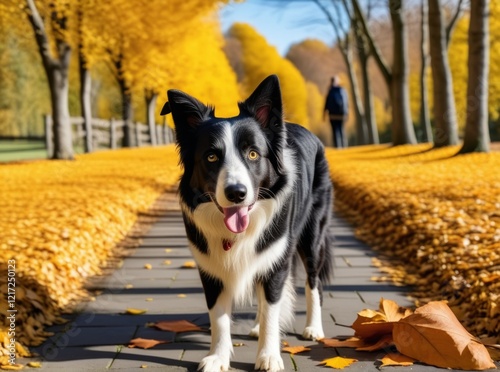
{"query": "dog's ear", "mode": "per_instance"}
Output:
(186, 110)
(265, 103)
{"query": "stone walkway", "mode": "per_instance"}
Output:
(96, 338)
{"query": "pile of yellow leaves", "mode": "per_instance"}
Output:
(61, 221)
(432, 335)
(435, 216)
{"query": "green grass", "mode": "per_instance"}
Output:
(12, 150)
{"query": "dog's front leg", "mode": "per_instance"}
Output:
(268, 355)
(219, 305)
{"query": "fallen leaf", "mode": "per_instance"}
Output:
(132, 311)
(181, 295)
(295, 349)
(238, 344)
(128, 286)
(149, 299)
(145, 343)
(374, 324)
(285, 343)
(350, 342)
(35, 364)
(338, 362)
(168, 250)
(12, 367)
(177, 326)
(396, 359)
(144, 366)
(148, 266)
(189, 265)
(434, 335)
(167, 262)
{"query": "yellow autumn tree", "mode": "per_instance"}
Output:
(260, 60)
(207, 76)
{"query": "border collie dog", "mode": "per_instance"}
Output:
(255, 194)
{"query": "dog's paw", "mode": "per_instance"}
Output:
(254, 332)
(313, 333)
(214, 363)
(269, 363)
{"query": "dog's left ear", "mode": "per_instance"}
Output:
(265, 103)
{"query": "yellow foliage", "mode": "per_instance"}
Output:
(61, 220)
(260, 60)
(435, 216)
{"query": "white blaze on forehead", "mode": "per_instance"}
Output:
(233, 170)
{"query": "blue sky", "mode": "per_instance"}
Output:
(282, 23)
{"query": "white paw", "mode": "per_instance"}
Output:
(313, 333)
(269, 363)
(214, 363)
(254, 332)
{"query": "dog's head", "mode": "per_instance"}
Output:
(231, 162)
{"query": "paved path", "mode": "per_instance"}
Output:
(96, 338)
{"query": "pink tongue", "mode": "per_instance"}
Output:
(236, 219)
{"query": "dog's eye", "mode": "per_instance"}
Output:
(212, 158)
(253, 155)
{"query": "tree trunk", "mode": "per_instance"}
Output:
(477, 138)
(127, 108)
(56, 70)
(151, 98)
(425, 122)
(59, 88)
(356, 99)
(402, 125)
(445, 117)
(370, 121)
(85, 91)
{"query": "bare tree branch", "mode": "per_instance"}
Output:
(377, 54)
(453, 21)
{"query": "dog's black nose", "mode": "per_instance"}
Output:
(236, 193)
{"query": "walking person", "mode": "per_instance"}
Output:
(337, 110)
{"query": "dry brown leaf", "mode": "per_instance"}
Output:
(374, 324)
(177, 326)
(350, 342)
(295, 349)
(338, 362)
(396, 359)
(145, 343)
(434, 335)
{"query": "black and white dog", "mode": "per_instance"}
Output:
(255, 194)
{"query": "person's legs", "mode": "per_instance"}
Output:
(338, 139)
(334, 134)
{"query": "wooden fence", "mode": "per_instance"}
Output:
(108, 134)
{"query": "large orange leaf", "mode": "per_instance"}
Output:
(434, 335)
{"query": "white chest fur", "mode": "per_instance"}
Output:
(237, 267)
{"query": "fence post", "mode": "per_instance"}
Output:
(138, 134)
(49, 136)
(112, 134)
